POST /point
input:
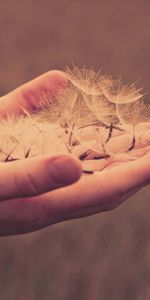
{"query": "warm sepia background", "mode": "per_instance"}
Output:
(103, 257)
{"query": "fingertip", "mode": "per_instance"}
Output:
(59, 78)
(65, 169)
(74, 167)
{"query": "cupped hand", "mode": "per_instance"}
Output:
(40, 191)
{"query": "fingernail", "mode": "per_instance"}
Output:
(65, 169)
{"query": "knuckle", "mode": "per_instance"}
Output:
(26, 186)
(33, 185)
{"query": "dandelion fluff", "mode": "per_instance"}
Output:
(92, 119)
(118, 93)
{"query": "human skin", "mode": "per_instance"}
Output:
(35, 193)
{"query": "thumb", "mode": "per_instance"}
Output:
(34, 176)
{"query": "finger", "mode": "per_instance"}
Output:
(89, 195)
(34, 176)
(29, 96)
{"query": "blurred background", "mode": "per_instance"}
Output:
(106, 256)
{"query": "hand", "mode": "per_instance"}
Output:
(31, 197)
(25, 178)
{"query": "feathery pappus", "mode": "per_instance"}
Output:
(96, 118)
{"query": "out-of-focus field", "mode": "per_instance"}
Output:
(106, 256)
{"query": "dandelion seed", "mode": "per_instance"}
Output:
(118, 93)
(85, 80)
